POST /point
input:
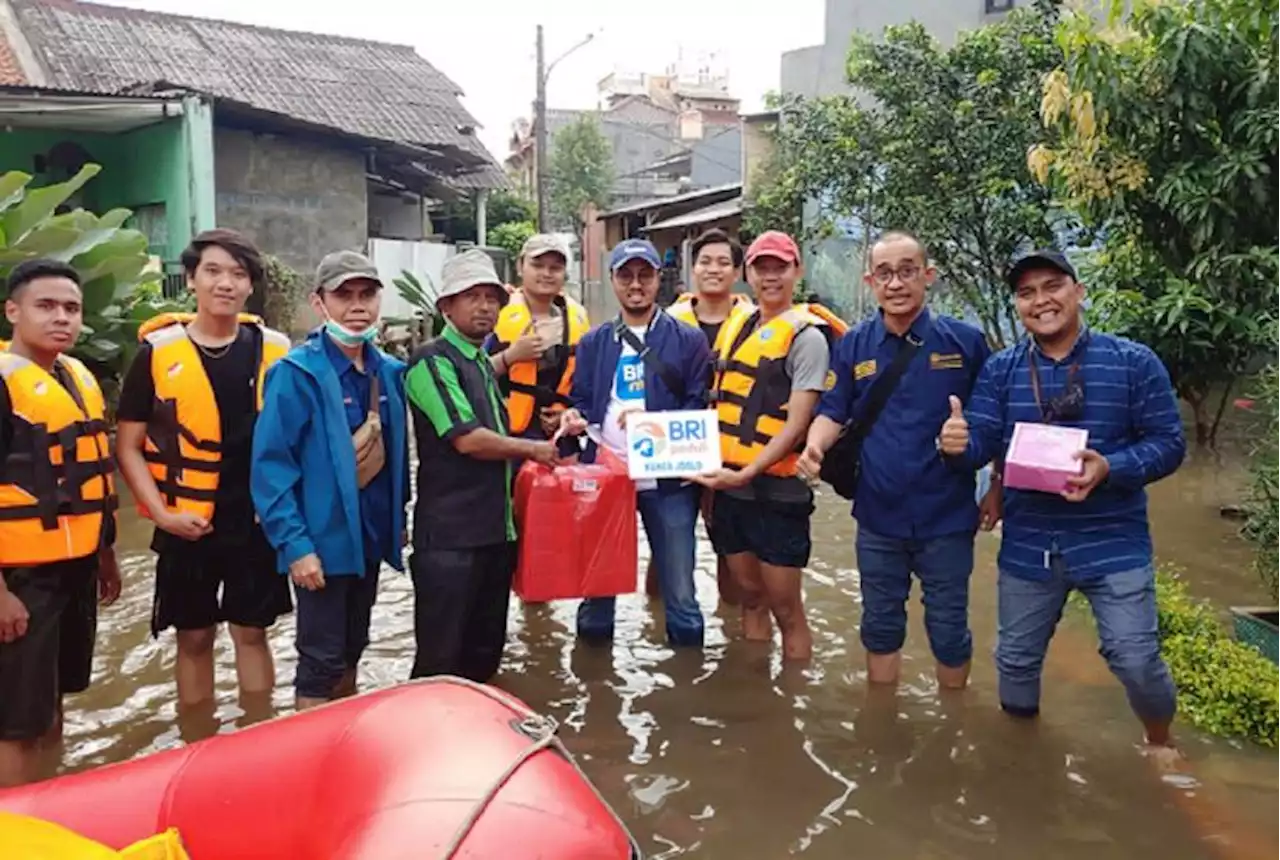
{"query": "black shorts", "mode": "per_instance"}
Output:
(189, 578)
(775, 532)
(55, 657)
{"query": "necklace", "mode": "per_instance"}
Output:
(215, 352)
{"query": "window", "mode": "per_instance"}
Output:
(997, 6)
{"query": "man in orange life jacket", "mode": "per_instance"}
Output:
(187, 411)
(57, 513)
(533, 346)
(717, 266)
(760, 518)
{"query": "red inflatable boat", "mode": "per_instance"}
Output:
(433, 769)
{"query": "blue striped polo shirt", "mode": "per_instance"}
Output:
(1131, 414)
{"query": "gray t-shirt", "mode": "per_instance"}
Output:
(806, 366)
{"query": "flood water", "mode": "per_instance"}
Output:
(719, 754)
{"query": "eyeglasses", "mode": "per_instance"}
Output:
(645, 277)
(884, 275)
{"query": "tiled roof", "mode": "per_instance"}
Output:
(10, 70)
(372, 89)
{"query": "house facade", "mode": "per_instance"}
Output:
(313, 143)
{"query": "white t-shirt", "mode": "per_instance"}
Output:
(627, 394)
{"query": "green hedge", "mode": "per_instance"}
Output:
(1224, 687)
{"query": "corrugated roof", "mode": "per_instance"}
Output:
(372, 89)
(705, 215)
(688, 196)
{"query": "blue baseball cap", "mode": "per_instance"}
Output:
(634, 249)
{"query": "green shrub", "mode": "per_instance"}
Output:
(1262, 505)
(285, 289)
(511, 237)
(1224, 687)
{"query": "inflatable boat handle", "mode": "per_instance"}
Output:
(542, 730)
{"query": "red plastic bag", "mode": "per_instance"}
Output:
(577, 530)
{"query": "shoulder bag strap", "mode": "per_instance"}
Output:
(671, 379)
(375, 394)
(882, 389)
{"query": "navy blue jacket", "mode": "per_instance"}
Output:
(681, 347)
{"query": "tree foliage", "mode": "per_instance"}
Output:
(121, 287)
(579, 172)
(457, 220)
(511, 236)
(1262, 506)
(1166, 143)
(935, 143)
(284, 289)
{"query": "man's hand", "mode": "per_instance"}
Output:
(723, 479)
(1096, 469)
(991, 508)
(954, 438)
(528, 347)
(13, 617)
(186, 526)
(542, 452)
(108, 577)
(306, 572)
(622, 415)
(572, 423)
(810, 463)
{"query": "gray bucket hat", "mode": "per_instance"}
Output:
(342, 266)
(471, 268)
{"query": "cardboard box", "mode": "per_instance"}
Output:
(1042, 456)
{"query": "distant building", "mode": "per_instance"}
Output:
(819, 70)
(669, 133)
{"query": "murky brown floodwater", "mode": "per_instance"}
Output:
(720, 755)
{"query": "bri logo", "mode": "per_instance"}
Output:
(648, 439)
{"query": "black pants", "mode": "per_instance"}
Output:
(55, 657)
(460, 609)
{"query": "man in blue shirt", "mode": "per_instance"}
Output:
(915, 514)
(1094, 537)
(645, 360)
(331, 473)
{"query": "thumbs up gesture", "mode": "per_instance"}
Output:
(954, 438)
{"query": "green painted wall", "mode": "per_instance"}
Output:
(144, 170)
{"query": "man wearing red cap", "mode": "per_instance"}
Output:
(773, 367)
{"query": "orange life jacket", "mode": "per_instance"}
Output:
(750, 418)
(528, 390)
(683, 309)
(56, 487)
(183, 448)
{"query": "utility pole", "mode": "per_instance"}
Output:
(540, 137)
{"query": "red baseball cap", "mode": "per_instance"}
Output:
(774, 243)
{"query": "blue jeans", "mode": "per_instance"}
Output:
(669, 522)
(943, 565)
(1124, 605)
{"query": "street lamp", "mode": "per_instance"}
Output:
(540, 125)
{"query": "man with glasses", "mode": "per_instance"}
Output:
(644, 360)
(915, 514)
(1094, 537)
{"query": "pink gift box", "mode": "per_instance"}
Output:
(1042, 456)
